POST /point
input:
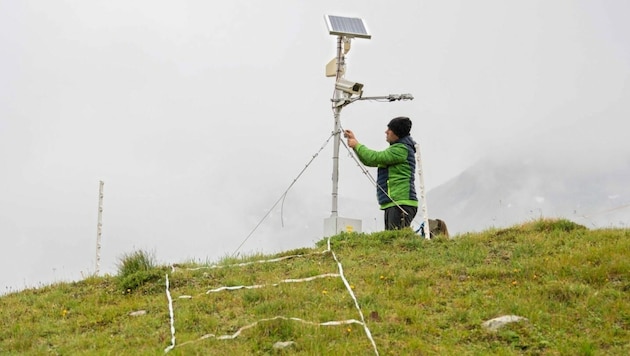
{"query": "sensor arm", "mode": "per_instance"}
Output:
(391, 97)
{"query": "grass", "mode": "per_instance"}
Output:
(418, 297)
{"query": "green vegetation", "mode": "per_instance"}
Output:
(136, 269)
(418, 297)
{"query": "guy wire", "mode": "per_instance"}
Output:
(369, 176)
(283, 196)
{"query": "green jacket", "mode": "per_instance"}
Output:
(396, 172)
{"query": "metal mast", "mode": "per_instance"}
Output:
(337, 130)
(346, 92)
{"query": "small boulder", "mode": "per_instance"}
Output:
(138, 313)
(497, 323)
(283, 344)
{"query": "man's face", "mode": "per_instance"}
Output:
(390, 136)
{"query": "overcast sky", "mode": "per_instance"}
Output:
(198, 115)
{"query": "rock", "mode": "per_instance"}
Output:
(138, 313)
(497, 323)
(283, 344)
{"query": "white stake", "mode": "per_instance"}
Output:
(425, 214)
(99, 226)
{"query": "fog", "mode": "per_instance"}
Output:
(199, 115)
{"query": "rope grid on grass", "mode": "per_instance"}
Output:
(255, 262)
(340, 274)
(249, 326)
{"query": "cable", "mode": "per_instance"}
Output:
(283, 196)
(369, 176)
(371, 179)
(604, 212)
(621, 207)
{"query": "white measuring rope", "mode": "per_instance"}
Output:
(249, 326)
(356, 303)
(255, 262)
(308, 279)
(238, 332)
(170, 311)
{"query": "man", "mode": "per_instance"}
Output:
(396, 192)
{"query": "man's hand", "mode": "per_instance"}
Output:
(352, 141)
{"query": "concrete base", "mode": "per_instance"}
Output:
(335, 225)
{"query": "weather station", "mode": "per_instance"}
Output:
(345, 93)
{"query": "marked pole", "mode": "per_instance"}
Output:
(425, 213)
(99, 226)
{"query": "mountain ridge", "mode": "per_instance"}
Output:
(504, 189)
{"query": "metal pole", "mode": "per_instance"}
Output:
(99, 226)
(337, 129)
(335, 176)
(425, 214)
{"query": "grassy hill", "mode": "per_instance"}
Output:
(415, 297)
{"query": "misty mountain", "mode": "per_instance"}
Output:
(502, 190)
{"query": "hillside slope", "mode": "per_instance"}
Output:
(415, 296)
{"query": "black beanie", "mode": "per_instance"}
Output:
(401, 126)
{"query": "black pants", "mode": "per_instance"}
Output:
(396, 219)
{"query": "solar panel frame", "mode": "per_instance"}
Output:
(346, 26)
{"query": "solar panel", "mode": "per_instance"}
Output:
(346, 26)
